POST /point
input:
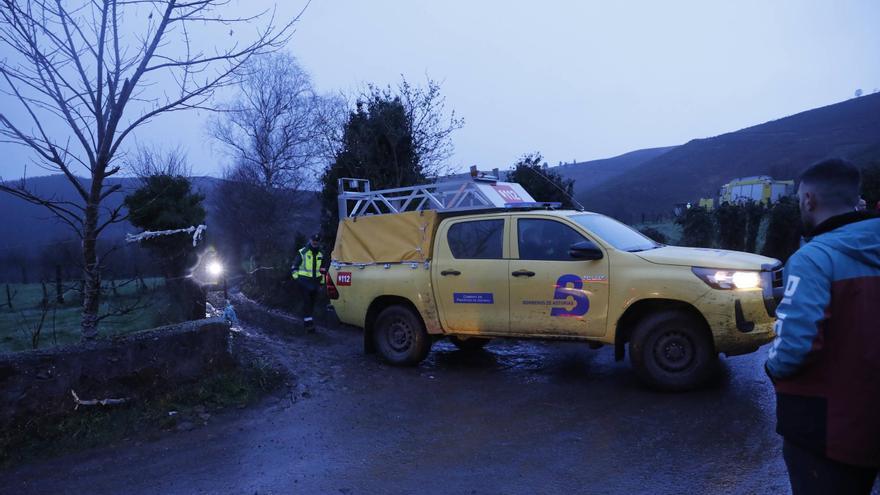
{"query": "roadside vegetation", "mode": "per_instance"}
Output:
(668, 232)
(750, 227)
(90, 73)
(180, 408)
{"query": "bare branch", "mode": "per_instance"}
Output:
(60, 209)
(271, 131)
(99, 70)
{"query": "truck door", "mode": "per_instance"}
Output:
(470, 273)
(552, 293)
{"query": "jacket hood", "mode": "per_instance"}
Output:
(859, 239)
(706, 258)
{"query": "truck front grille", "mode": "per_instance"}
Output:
(777, 278)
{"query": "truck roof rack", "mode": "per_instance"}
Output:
(356, 198)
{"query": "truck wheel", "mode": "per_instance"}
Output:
(672, 351)
(400, 337)
(469, 344)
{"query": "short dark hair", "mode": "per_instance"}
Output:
(836, 181)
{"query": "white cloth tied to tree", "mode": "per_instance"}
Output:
(196, 232)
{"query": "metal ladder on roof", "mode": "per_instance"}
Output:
(357, 199)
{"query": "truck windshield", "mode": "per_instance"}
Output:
(615, 233)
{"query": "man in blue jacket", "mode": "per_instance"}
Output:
(825, 361)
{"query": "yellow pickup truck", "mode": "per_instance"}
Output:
(475, 270)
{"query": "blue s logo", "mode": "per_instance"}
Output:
(575, 291)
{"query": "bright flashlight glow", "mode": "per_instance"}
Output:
(215, 268)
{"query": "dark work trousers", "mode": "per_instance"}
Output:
(308, 288)
(811, 473)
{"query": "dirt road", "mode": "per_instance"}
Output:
(518, 418)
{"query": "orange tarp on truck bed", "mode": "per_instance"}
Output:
(386, 238)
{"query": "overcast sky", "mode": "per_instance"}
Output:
(575, 80)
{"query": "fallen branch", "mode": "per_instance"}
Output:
(95, 402)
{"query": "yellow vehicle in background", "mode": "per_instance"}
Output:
(760, 189)
(480, 259)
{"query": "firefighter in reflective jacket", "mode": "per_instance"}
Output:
(308, 271)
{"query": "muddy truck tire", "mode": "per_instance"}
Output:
(400, 336)
(673, 351)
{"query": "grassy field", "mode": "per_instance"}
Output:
(61, 322)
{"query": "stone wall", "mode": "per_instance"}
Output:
(40, 382)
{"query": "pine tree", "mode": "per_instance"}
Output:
(166, 202)
(541, 183)
(377, 144)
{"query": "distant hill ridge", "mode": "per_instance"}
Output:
(25, 224)
(780, 148)
(595, 172)
(626, 186)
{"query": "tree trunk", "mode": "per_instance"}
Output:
(195, 296)
(44, 303)
(91, 269)
(8, 297)
(59, 290)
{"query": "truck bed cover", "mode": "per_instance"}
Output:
(401, 237)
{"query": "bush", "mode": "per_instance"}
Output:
(698, 227)
(654, 234)
(754, 215)
(784, 229)
(731, 221)
(272, 287)
(871, 185)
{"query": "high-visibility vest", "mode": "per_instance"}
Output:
(310, 264)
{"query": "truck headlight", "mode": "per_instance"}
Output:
(729, 279)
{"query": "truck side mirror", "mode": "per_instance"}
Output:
(585, 250)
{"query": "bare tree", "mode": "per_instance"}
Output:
(33, 329)
(429, 125)
(273, 132)
(431, 128)
(99, 70)
(148, 161)
(271, 129)
(10, 295)
(253, 220)
(330, 126)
